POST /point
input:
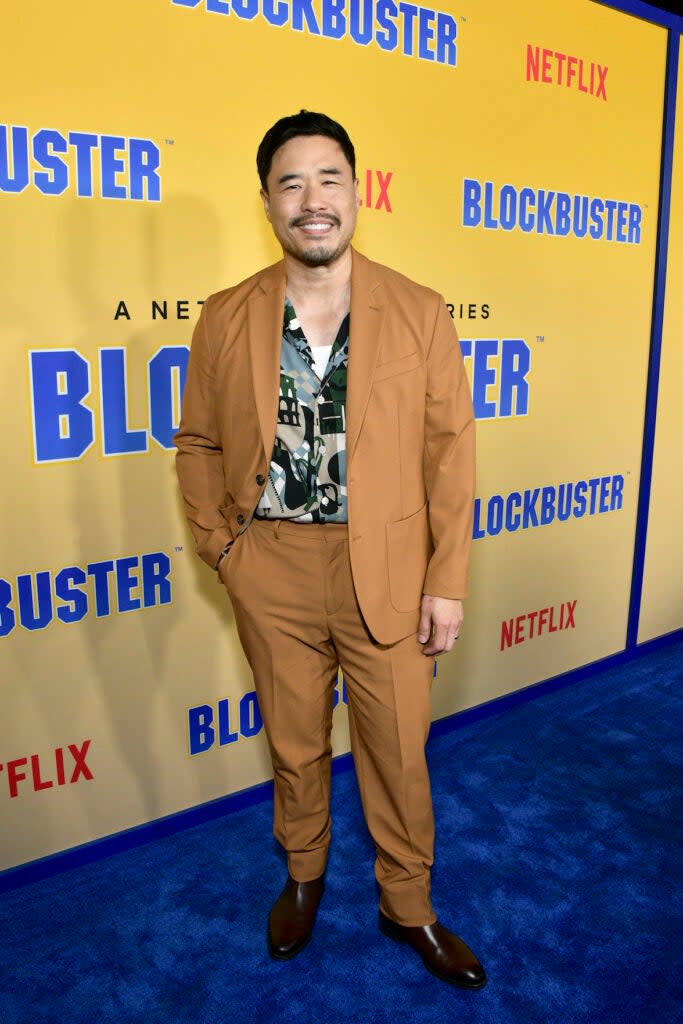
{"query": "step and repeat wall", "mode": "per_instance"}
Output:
(507, 157)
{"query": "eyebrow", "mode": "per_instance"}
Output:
(297, 174)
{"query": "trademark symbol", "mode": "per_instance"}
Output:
(540, 337)
(178, 547)
(170, 142)
(463, 18)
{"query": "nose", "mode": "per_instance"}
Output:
(313, 199)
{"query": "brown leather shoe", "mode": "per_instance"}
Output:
(290, 923)
(443, 953)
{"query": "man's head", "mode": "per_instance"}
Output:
(307, 167)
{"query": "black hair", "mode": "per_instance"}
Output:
(306, 122)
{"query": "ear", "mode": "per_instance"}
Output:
(357, 193)
(265, 199)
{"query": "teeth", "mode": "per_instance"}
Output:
(315, 227)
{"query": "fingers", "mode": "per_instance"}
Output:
(442, 641)
(438, 644)
(425, 628)
(440, 622)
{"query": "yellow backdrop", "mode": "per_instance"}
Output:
(497, 164)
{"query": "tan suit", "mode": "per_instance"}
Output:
(348, 596)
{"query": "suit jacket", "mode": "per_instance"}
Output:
(409, 435)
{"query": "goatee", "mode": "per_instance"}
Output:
(317, 256)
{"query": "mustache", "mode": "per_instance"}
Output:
(331, 218)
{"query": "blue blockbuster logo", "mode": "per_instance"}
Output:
(229, 721)
(64, 425)
(541, 506)
(63, 402)
(547, 212)
(413, 30)
(500, 369)
(227, 725)
(116, 585)
(89, 164)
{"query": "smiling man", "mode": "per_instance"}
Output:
(326, 459)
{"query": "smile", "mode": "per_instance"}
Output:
(316, 227)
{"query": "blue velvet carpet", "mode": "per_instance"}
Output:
(556, 861)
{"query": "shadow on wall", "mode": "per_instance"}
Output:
(134, 505)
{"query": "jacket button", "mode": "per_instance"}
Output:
(240, 518)
(260, 479)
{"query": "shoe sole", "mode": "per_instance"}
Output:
(387, 927)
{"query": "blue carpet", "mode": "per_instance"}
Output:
(556, 861)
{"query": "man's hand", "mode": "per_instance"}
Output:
(440, 619)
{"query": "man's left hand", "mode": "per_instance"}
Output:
(440, 622)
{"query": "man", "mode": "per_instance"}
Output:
(326, 459)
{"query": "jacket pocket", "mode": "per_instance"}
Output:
(409, 548)
(396, 366)
(229, 514)
(223, 564)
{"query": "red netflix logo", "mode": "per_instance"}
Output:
(546, 620)
(376, 194)
(67, 766)
(554, 68)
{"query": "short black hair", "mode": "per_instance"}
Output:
(306, 122)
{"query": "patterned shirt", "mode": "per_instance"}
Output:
(307, 478)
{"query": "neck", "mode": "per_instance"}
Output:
(322, 284)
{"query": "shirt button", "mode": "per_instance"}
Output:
(260, 479)
(240, 518)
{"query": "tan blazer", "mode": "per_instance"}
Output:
(409, 435)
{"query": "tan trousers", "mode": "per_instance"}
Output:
(298, 619)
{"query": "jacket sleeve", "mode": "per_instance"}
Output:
(199, 459)
(449, 461)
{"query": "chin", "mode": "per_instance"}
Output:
(319, 255)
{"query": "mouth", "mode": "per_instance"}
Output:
(315, 228)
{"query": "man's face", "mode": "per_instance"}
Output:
(312, 200)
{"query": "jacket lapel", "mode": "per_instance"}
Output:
(265, 310)
(367, 317)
